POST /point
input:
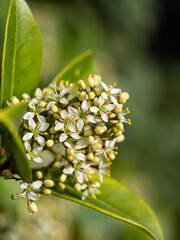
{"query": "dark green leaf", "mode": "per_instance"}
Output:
(77, 69)
(11, 118)
(22, 54)
(118, 201)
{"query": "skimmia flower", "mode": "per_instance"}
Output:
(29, 190)
(102, 108)
(80, 131)
(36, 131)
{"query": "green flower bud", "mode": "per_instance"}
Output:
(81, 84)
(49, 143)
(61, 185)
(48, 183)
(77, 187)
(39, 174)
(46, 191)
(7, 174)
(99, 130)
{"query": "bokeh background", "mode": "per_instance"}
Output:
(136, 43)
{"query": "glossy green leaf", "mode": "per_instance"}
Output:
(78, 68)
(22, 54)
(118, 201)
(11, 118)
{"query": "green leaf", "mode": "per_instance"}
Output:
(118, 201)
(22, 54)
(11, 118)
(77, 69)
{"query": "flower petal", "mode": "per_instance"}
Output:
(62, 137)
(85, 106)
(37, 184)
(104, 86)
(104, 117)
(80, 156)
(80, 124)
(37, 159)
(43, 127)
(72, 128)
(27, 136)
(33, 196)
(63, 92)
(109, 107)
(114, 100)
(32, 123)
(115, 90)
(101, 100)
(68, 170)
(27, 146)
(63, 101)
(64, 114)
(94, 109)
(91, 119)
(23, 185)
(28, 115)
(75, 136)
(41, 119)
(80, 177)
(59, 126)
(40, 140)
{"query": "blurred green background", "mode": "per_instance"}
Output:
(136, 44)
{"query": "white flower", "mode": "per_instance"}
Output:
(38, 94)
(79, 171)
(91, 189)
(109, 147)
(78, 150)
(62, 91)
(66, 126)
(102, 108)
(82, 114)
(110, 92)
(36, 130)
(28, 190)
(33, 154)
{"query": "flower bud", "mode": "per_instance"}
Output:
(114, 121)
(96, 184)
(56, 116)
(57, 164)
(48, 183)
(70, 158)
(87, 133)
(70, 151)
(71, 85)
(90, 82)
(42, 104)
(7, 174)
(111, 156)
(123, 97)
(96, 146)
(81, 84)
(46, 191)
(112, 115)
(91, 95)
(25, 96)
(99, 130)
(120, 126)
(54, 108)
(90, 156)
(63, 177)
(58, 157)
(82, 96)
(32, 208)
(15, 100)
(61, 185)
(49, 143)
(117, 110)
(118, 133)
(90, 139)
(77, 187)
(104, 128)
(52, 130)
(96, 160)
(39, 174)
(121, 138)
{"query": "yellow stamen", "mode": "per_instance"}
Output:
(32, 188)
(45, 133)
(78, 108)
(54, 87)
(43, 92)
(115, 84)
(42, 154)
(24, 197)
(45, 109)
(35, 95)
(86, 121)
(93, 195)
(29, 128)
(38, 195)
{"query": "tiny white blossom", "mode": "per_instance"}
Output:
(34, 154)
(36, 131)
(110, 92)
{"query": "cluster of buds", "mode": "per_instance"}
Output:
(87, 124)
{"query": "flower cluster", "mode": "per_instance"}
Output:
(87, 125)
